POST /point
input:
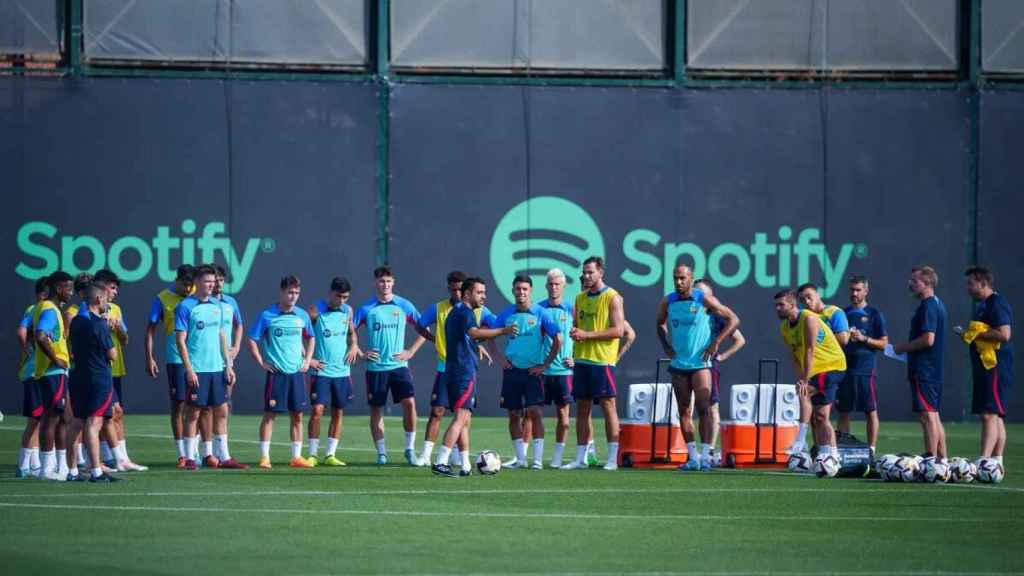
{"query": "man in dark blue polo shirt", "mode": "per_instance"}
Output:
(867, 337)
(925, 352)
(461, 334)
(991, 359)
(92, 383)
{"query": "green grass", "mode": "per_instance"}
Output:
(366, 519)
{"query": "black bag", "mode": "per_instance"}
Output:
(855, 458)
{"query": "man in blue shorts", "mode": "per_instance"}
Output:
(203, 347)
(684, 330)
(52, 360)
(32, 404)
(718, 325)
(281, 342)
(330, 378)
(868, 336)
(387, 370)
(991, 352)
(92, 384)
(808, 296)
(925, 353)
(558, 376)
(231, 324)
(523, 365)
(161, 314)
(461, 337)
(434, 317)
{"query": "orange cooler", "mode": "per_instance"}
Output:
(739, 444)
(635, 445)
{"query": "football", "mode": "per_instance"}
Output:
(826, 465)
(904, 470)
(799, 462)
(961, 470)
(935, 471)
(488, 462)
(990, 471)
(884, 463)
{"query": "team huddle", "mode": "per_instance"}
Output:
(555, 353)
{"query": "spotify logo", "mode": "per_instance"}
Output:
(539, 234)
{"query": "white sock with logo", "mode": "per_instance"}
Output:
(296, 450)
(332, 446)
(556, 458)
(220, 447)
(314, 446)
(581, 455)
(264, 449)
(208, 448)
(613, 453)
(180, 445)
(380, 447)
(410, 440)
(538, 451)
(428, 449)
(443, 453)
(466, 464)
(520, 449)
(24, 458)
(691, 451)
(34, 459)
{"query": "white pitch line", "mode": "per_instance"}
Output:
(481, 492)
(517, 515)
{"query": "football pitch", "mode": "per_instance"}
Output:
(395, 519)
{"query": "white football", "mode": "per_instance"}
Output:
(884, 463)
(826, 465)
(799, 462)
(962, 470)
(935, 471)
(488, 462)
(990, 471)
(905, 469)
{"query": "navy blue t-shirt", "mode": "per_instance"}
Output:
(90, 339)
(926, 365)
(860, 358)
(995, 311)
(460, 349)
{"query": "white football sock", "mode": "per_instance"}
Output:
(428, 449)
(801, 432)
(613, 452)
(591, 449)
(97, 472)
(691, 451)
(538, 450)
(314, 446)
(207, 448)
(410, 440)
(999, 459)
(123, 445)
(456, 455)
(296, 449)
(81, 454)
(180, 444)
(105, 452)
(46, 462)
(190, 447)
(332, 446)
(520, 449)
(581, 454)
(24, 458)
(220, 447)
(119, 454)
(380, 447)
(705, 452)
(34, 459)
(62, 463)
(442, 454)
(466, 464)
(264, 449)
(557, 456)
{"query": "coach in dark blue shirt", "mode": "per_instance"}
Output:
(92, 384)
(992, 384)
(924, 358)
(868, 336)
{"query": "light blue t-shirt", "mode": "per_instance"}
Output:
(231, 314)
(562, 315)
(202, 323)
(331, 333)
(690, 328)
(526, 349)
(280, 335)
(28, 367)
(385, 330)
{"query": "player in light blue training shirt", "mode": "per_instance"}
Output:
(385, 316)
(281, 342)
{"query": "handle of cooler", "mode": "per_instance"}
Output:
(654, 417)
(774, 363)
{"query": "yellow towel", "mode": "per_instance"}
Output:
(986, 348)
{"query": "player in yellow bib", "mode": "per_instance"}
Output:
(52, 359)
(818, 361)
(598, 324)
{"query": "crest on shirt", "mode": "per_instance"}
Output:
(272, 403)
(278, 332)
(200, 325)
